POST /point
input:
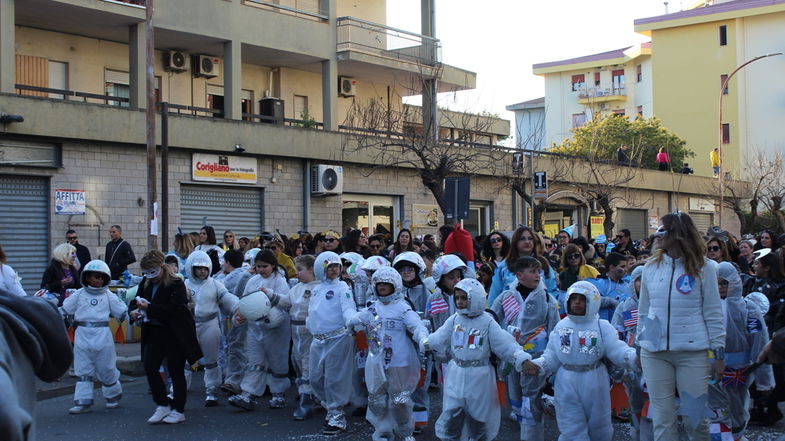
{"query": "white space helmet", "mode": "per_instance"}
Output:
(96, 266)
(477, 297)
(373, 263)
(760, 300)
(388, 275)
(593, 300)
(323, 260)
(356, 261)
(411, 258)
(250, 255)
(197, 259)
(445, 264)
(255, 306)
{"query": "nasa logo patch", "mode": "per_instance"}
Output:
(684, 283)
(329, 295)
(94, 302)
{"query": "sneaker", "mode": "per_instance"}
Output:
(112, 404)
(332, 430)
(408, 438)
(335, 424)
(174, 417)
(242, 401)
(230, 389)
(277, 401)
(210, 401)
(79, 409)
(160, 413)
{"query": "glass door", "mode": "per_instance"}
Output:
(372, 214)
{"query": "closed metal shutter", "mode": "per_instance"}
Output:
(236, 209)
(633, 220)
(702, 221)
(24, 227)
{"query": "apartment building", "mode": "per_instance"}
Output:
(694, 52)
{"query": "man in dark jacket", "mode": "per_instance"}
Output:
(119, 253)
(82, 252)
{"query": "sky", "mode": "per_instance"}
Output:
(501, 39)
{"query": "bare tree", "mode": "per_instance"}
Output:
(772, 189)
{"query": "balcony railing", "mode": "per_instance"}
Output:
(311, 9)
(141, 3)
(71, 95)
(387, 42)
(597, 92)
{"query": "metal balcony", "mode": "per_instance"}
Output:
(386, 42)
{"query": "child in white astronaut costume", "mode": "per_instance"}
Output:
(529, 313)
(209, 295)
(300, 297)
(392, 371)
(470, 405)
(447, 271)
(331, 313)
(575, 351)
(94, 353)
(266, 340)
(745, 335)
(625, 320)
(416, 290)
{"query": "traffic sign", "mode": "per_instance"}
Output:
(540, 185)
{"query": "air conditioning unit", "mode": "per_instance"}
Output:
(326, 179)
(176, 61)
(206, 66)
(347, 86)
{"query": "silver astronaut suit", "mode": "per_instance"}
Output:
(575, 351)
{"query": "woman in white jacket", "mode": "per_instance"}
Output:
(680, 330)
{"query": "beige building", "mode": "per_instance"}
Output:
(258, 92)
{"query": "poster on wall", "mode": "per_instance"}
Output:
(654, 223)
(597, 227)
(224, 168)
(69, 202)
(425, 216)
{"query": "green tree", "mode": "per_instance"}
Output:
(599, 139)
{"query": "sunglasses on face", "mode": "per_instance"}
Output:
(574, 256)
(228, 236)
(495, 240)
(713, 248)
(620, 236)
(71, 238)
(375, 246)
(329, 239)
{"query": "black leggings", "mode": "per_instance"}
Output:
(160, 344)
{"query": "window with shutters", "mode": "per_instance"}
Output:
(578, 82)
(301, 107)
(117, 84)
(32, 71)
(58, 78)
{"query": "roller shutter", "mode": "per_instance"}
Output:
(225, 208)
(633, 220)
(702, 221)
(24, 227)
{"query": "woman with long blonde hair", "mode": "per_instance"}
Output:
(524, 242)
(61, 274)
(680, 326)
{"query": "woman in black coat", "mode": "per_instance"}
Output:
(168, 332)
(61, 274)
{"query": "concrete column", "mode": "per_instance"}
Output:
(430, 116)
(233, 66)
(137, 66)
(330, 94)
(330, 72)
(7, 46)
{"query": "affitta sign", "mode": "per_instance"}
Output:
(224, 168)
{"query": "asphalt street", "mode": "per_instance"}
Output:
(226, 423)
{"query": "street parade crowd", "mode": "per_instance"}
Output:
(681, 328)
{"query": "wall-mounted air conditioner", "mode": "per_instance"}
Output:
(326, 179)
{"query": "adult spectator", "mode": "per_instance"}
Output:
(230, 241)
(332, 242)
(745, 257)
(430, 241)
(403, 243)
(243, 242)
(714, 159)
(681, 322)
(663, 162)
(168, 333)
(276, 246)
(574, 267)
(525, 242)
(356, 241)
(495, 248)
(765, 240)
(622, 156)
(82, 252)
(61, 274)
(9, 281)
(717, 250)
(444, 233)
(770, 281)
(562, 240)
(207, 243)
(183, 247)
(624, 243)
(294, 247)
(119, 253)
(586, 248)
(376, 246)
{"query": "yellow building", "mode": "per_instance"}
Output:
(693, 52)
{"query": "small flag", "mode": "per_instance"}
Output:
(720, 432)
(439, 306)
(734, 378)
(119, 335)
(511, 308)
(630, 318)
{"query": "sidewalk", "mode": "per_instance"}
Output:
(129, 362)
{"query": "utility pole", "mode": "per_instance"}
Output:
(430, 118)
(152, 190)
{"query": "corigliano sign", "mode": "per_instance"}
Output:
(223, 168)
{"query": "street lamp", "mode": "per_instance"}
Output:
(722, 89)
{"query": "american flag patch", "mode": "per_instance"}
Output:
(439, 306)
(511, 308)
(630, 318)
